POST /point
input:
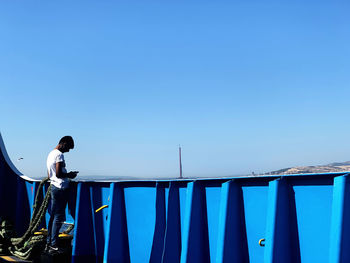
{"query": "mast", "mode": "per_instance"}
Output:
(180, 163)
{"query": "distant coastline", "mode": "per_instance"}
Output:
(329, 168)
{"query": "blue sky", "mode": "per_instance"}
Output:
(243, 86)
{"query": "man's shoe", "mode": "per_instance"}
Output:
(55, 250)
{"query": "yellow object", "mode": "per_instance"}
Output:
(102, 207)
(42, 231)
(8, 259)
(64, 235)
(262, 242)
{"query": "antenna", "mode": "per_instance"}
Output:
(180, 163)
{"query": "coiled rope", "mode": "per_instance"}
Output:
(22, 247)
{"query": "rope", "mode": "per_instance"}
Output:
(24, 246)
(37, 216)
(27, 250)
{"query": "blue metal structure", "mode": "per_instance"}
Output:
(297, 218)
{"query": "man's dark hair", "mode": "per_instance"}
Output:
(68, 140)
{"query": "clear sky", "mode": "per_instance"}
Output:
(243, 86)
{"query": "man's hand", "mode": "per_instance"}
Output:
(73, 174)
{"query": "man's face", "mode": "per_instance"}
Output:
(65, 148)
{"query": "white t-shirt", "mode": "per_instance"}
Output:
(55, 156)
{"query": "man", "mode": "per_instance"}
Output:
(59, 179)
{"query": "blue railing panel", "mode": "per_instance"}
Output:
(195, 239)
(314, 206)
(255, 208)
(99, 196)
(117, 244)
(172, 240)
(213, 208)
(282, 239)
(140, 203)
(83, 243)
(160, 225)
(182, 196)
(232, 238)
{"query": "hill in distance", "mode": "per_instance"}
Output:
(329, 168)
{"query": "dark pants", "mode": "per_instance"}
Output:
(59, 200)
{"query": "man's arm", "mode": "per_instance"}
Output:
(61, 174)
